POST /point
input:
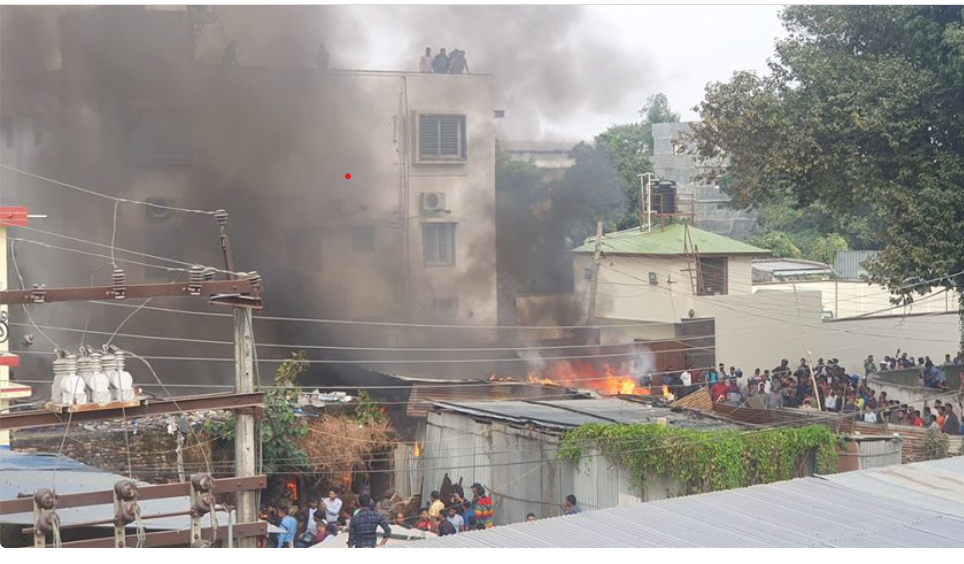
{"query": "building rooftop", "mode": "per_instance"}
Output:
(23, 474)
(912, 506)
(669, 242)
(560, 415)
(779, 268)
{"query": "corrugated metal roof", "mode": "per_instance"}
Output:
(846, 510)
(566, 414)
(26, 473)
(938, 484)
(422, 396)
(849, 265)
(669, 242)
(791, 266)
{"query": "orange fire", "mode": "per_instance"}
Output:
(607, 380)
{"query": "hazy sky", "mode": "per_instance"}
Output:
(671, 49)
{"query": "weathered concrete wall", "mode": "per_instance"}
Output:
(673, 160)
(153, 455)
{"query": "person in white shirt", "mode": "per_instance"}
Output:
(456, 520)
(687, 378)
(425, 63)
(332, 507)
(312, 525)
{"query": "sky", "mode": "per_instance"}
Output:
(676, 50)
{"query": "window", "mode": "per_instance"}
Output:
(441, 137)
(712, 275)
(363, 239)
(438, 244)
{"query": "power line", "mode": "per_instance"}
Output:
(105, 196)
(106, 257)
(127, 251)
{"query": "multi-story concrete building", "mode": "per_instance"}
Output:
(129, 112)
(674, 160)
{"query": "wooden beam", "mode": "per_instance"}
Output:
(45, 418)
(145, 493)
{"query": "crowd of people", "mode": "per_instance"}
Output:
(306, 527)
(828, 386)
(442, 63)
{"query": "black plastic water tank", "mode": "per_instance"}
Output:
(664, 197)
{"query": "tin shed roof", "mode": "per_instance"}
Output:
(566, 414)
(848, 510)
(669, 242)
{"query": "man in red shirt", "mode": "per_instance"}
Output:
(916, 419)
(718, 391)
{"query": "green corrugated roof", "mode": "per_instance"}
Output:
(668, 242)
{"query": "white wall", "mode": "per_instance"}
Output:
(758, 330)
(852, 298)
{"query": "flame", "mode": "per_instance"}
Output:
(607, 380)
(418, 450)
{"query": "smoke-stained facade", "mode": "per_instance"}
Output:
(128, 110)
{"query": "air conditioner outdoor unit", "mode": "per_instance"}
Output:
(433, 202)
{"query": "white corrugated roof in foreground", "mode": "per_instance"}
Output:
(858, 509)
(22, 474)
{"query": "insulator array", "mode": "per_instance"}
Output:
(119, 284)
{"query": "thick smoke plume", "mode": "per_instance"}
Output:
(259, 148)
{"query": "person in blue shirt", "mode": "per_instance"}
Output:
(290, 526)
(570, 507)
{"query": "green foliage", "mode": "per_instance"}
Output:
(657, 110)
(705, 461)
(861, 111)
(825, 248)
(589, 191)
(936, 444)
(779, 242)
(280, 426)
(368, 412)
(629, 146)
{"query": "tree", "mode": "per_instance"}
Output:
(862, 107)
(281, 428)
(630, 145)
(779, 243)
(825, 248)
(590, 190)
(657, 110)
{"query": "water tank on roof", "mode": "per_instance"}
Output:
(664, 197)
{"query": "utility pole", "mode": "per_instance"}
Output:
(246, 379)
(594, 282)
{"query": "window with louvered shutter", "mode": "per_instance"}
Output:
(438, 244)
(712, 276)
(441, 137)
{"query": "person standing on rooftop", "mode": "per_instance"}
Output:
(441, 62)
(425, 63)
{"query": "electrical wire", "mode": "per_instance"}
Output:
(26, 309)
(126, 251)
(101, 195)
(96, 255)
